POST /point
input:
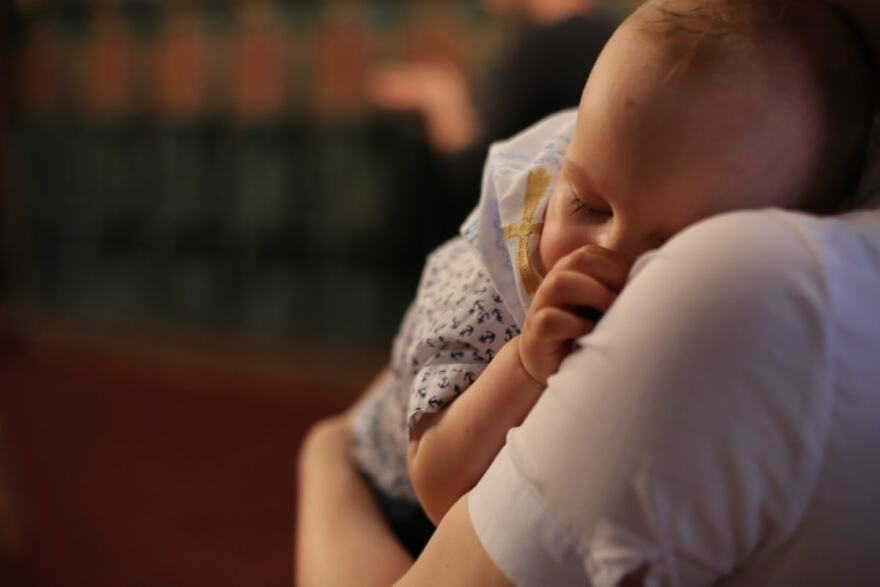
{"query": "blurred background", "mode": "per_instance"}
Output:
(212, 217)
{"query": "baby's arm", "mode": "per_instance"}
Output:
(450, 450)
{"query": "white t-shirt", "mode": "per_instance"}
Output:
(721, 424)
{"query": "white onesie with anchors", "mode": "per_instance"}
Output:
(473, 296)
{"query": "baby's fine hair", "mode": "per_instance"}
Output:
(836, 58)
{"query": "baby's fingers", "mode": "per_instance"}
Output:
(608, 267)
(555, 324)
(570, 289)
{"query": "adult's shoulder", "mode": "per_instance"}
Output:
(749, 263)
(699, 402)
(689, 433)
(784, 295)
(750, 242)
(773, 248)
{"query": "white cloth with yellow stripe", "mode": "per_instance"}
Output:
(506, 226)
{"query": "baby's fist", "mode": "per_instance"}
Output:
(574, 294)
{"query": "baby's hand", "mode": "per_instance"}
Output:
(578, 289)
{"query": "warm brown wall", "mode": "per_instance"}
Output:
(134, 468)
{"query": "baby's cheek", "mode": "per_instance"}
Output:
(546, 256)
(556, 244)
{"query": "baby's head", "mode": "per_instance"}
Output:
(698, 107)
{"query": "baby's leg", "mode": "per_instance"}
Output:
(342, 538)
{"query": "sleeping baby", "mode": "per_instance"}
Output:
(694, 108)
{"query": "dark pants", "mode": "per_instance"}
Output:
(406, 519)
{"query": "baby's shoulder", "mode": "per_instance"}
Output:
(457, 303)
(454, 265)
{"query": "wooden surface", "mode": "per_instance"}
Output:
(153, 468)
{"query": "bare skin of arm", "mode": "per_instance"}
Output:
(454, 556)
(342, 538)
(451, 450)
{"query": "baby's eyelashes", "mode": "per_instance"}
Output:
(580, 208)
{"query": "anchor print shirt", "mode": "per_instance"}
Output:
(452, 330)
(471, 300)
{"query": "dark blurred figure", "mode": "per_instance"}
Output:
(10, 534)
(5, 49)
(10, 30)
(544, 71)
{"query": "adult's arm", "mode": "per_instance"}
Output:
(678, 442)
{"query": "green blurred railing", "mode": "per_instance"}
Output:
(187, 165)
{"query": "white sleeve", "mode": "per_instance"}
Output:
(685, 434)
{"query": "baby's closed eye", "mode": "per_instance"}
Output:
(583, 210)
